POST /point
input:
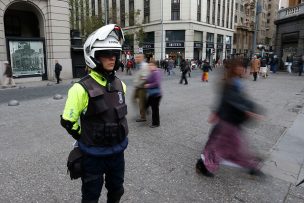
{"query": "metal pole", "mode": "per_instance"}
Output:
(258, 11)
(162, 31)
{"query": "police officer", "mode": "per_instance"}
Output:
(98, 101)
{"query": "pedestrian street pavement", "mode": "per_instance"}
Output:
(160, 161)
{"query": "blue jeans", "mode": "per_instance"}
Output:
(94, 168)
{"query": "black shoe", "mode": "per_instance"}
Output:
(186, 84)
(201, 168)
(141, 120)
(154, 126)
(256, 172)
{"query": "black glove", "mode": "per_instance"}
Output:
(68, 125)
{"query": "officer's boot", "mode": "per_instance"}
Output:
(114, 197)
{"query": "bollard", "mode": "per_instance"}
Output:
(58, 97)
(13, 103)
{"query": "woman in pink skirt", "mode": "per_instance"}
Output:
(226, 143)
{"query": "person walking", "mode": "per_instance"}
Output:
(274, 64)
(129, 67)
(58, 69)
(153, 85)
(8, 75)
(184, 67)
(98, 101)
(206, 68)
(301, 65)
(139, 81)
(255, 65)
(288, 63)
(226, 143)
(170, 66)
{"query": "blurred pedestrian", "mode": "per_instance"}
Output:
(8, 75)
(274, 64)
(255, 65)
(226, 143)
(206, 68)
(263, 69)
(122, 66)
(139, 82)
(129, 67)
(288, 63)
(184, 67)
(171, 64)
(153, 85)
(58, 69)
(301, 65)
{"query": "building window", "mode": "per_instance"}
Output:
(218, 14)
(175, 10)
(235, 19)
(236, 6)
(122, 13)
(231, 17)
(146, 11)
(199, 9)
(242, 8)
(93, 7)
(223, 13)
(213, 12)
(114, 11)
(227, 15)
(242, 21)
(131, 12)
(220, 39)
(175, 35)
(208, 11)
(210, 37)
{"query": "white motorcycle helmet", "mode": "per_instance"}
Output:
(106, 41)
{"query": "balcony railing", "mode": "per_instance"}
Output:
(291, 11)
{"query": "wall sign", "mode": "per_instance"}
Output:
(175, 44)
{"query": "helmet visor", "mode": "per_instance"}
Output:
(108, 54)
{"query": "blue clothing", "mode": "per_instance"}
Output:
(103, 151)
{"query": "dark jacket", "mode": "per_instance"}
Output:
(206, 67)
(58, 68)
(8, 71)
(234, 103)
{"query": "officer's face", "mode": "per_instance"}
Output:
(108, 62)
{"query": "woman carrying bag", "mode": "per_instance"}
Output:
(154, 92)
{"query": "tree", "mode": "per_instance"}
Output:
(139, 32)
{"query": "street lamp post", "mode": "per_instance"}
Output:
(162, 31)
(258, 11)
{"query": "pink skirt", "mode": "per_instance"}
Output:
(227, 144)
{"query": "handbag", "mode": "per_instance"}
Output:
(74, 163)
(153, 91)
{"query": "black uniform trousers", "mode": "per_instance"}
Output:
(95, 168)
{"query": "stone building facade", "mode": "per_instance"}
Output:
(201, 29)
(33, 34)
(290, 32)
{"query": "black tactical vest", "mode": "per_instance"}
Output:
(103, 124)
